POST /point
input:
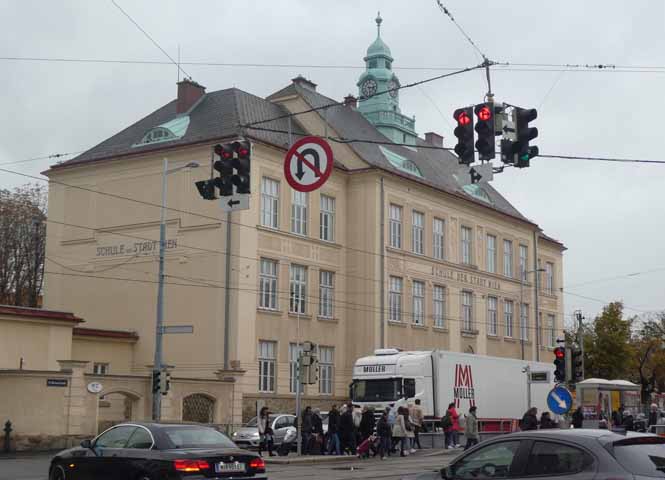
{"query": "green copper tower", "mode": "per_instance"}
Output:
(382, 109)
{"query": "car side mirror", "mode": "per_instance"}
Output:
(86, 443)
(446, 473)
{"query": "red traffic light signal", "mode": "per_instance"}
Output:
(462, 117)
(464, 134)
(559, 352)
(484, 113)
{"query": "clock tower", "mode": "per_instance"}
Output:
(378, 102)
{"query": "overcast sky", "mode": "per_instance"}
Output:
(610, 216)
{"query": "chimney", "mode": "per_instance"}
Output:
(189, 92)
(351, 101)
(434, 139)
(303, 82)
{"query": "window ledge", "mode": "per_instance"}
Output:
(509, 339)
(302, 316)
(418, 326)
(469, 333)
(396, 324)
(269, 311)
(493, 337)
(440, 329)
(327, 319)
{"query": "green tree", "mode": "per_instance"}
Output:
(649, 356)
(608, 352)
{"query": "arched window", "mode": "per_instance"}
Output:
(198, 408)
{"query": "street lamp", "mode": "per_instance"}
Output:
(157, 367)
(523, 276)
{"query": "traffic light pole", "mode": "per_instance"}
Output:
(227, 291)
(580, 337)
(298, 384)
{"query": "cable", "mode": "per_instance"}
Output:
(565, 292)
(473, 44)
(618, 277)
(602, 159)
(53, 155)
(151, 39)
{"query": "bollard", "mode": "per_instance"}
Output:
(8, 431)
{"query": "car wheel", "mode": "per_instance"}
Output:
(57, 473)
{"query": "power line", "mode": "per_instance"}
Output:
(33, 159)
(452, 19)
(604, 302)
(618, 277)
(150, 38)
(602, 159)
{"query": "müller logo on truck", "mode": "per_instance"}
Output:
(463, 386)
(374, 369)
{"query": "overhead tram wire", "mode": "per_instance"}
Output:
(459, 27)
(618, 277)
(44, 157)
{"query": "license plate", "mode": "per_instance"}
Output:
(229, 467)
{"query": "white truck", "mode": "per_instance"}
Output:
(496, 386)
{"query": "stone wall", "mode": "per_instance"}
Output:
(287, 403)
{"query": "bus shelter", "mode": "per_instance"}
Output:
(599, 398)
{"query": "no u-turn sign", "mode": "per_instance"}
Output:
(308, 164)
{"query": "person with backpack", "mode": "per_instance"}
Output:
(453, 427)
(471, 429)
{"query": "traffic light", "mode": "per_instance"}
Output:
(524, 133)
(313, 374)
(206, 189)
(464, 134)
(242, 165)
(225, 168)
(577, 365)
(155, 381)
(164, 382)
(485, 129)
(560, 364)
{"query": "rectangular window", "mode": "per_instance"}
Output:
(298, 289)
(524, 321)
(326, 293)
(269, 202)
(395, 299)
(100, 368)
(418, 302)
(299, 213)
(417, 244)
(491, 316)
(267, 366)
(326, 370)
(551, 330)
(524, 261)
(467, 311)
(395, 226)
(294, 352)
(268, 284)
(491, 253)
(438, 226)
(466, 245)
(508, 317)
(508, 258)
(549, 278)
(439, 306)
(327, 217)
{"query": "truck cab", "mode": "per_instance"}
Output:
(389, 375)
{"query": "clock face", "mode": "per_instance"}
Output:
(369, 87)
(391, 86)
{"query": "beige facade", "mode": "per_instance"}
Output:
(105, 247)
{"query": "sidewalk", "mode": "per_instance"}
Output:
(308, 459)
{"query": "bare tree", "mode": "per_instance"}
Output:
(22, 245)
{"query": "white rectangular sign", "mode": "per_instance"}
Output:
(235, 202)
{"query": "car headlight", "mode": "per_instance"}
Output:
(235, 434)
(255, 435)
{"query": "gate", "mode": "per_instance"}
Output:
(198, 408)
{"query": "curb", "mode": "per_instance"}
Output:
(309, 459)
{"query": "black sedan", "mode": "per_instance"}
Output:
(570, 454)
(151, 451)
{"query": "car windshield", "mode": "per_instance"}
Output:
(253, 421)
(642, 456)
(197, 437)
(379, 390)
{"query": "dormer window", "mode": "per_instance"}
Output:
(166, 132)
(158, 134)
(401, 162)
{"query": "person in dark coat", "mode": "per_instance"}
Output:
(333, 431)
(653, 415)
(530, 420)
(316, 442)
(347, 432)
(306, 429)
(384, 432)
(628, 421)
(546, 421)
(578, 418)
(367, 423)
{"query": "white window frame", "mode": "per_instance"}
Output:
(491, 253)
(418, 302)
(326, 370)
(326, 294)
(524, 261)
(549, 278)
(299, 201)
(327, 218)
(395, 225)
(298, 289)
(438, 238)
(466, 243)
(269, 202)
(508, 258)
(508, 317)
(267, 365)
(417, 232)
(551, 326)
(492, 320)
(268, 281)
(524, 321)
(467, 310)
(439, 306)
(100, 368)
(294, 350)
(395, 290)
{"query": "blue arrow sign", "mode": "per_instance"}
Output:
(559, 400)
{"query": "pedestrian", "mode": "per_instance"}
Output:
(530, 420)
(653, 415)
(410, 430)
(454, 426)
(367, 423)
(578, 418)
(399, 431)
(384, 432)
(546, 421)
(446, 425)
(316, 441)
(306, 429)
(333, 431)
(265, 432)
(347, 431)
(471, 428)
(417, 418)
(628, 421)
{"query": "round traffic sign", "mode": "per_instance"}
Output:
(308, 164)
(559, 400)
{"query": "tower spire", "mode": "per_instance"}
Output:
(378, 21)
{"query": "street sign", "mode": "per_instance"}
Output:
(559, 400)
(57, 382)
(95, 387)
(235, 202)
(308, 164)
(540, 377)
(177, 329)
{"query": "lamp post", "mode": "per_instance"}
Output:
(523, 275)
(157, 366)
